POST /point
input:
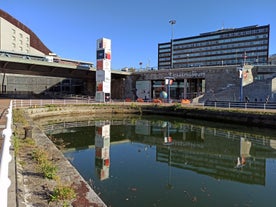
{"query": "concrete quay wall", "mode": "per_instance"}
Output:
(254, 117)
(67, 172)
(246, 117)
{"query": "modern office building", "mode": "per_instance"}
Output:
(16, 37)
(235, 46)
(272, 59)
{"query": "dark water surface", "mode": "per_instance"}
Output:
(157, 161)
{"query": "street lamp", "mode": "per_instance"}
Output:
(172, 22)
(168, 79)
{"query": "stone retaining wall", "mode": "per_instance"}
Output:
(247, 117)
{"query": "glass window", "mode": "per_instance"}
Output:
(165, 46)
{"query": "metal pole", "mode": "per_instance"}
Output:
(172, 22)
(169, 91)
(241, 88)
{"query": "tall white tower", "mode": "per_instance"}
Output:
(103, 73)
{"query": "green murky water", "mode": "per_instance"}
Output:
(157, 161)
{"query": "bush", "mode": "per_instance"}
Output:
(62, 194)
(48, 169)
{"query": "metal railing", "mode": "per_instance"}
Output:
(5, 159)
(25, 103)
(245, 105)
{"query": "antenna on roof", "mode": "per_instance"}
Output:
(222, 26)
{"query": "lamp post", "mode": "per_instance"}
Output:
(172, 22)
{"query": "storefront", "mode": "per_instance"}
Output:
(179, 89)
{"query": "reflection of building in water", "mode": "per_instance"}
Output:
(143, 127)
(212, 164)
(214, 152)
(245, 147)
(102, 150)
(204, 149)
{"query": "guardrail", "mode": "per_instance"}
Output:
(245, 105)
(23, 103)
(5, 159)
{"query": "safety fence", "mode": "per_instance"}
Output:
(24, 103)
(245, 105)
(5, 159)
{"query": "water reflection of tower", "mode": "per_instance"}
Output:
(102, 150)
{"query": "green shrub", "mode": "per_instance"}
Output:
(48, 169)
(62, 194)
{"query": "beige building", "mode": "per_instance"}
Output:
(16, 37)
(13, 38)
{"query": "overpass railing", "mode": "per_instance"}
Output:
(245, 105)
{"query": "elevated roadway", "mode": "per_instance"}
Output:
(25, 66)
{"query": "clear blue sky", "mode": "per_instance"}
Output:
(70, 28)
